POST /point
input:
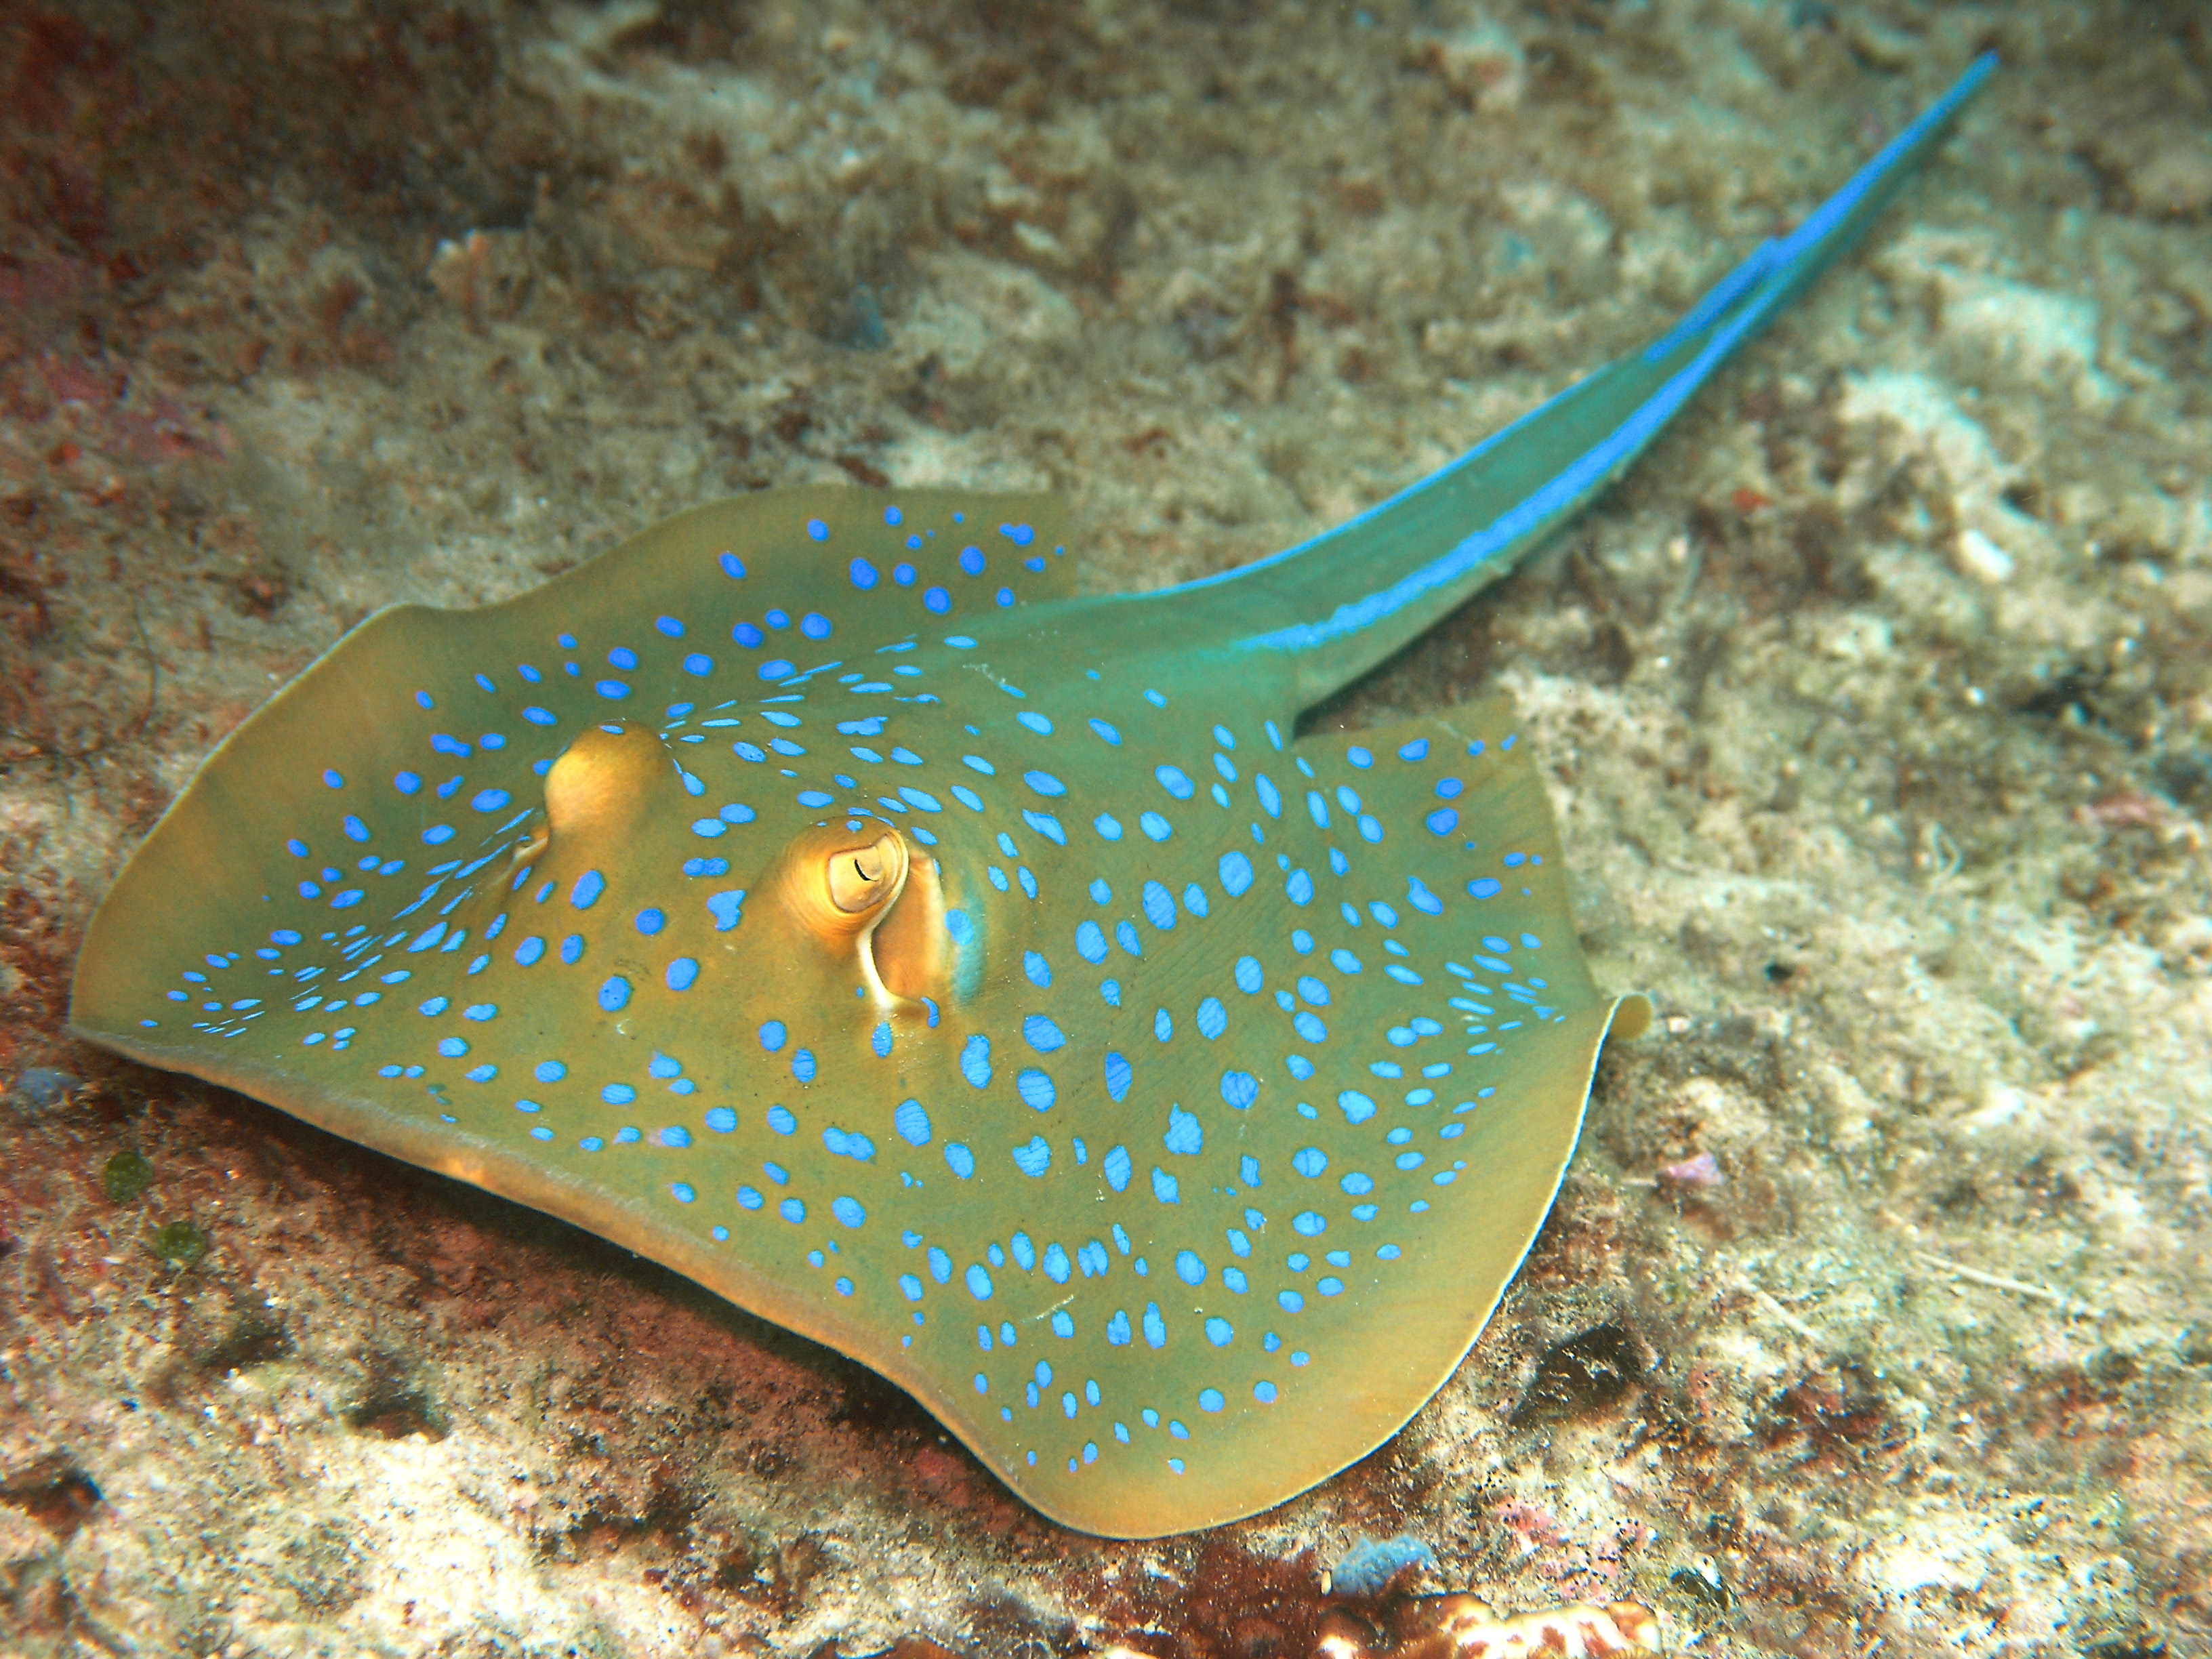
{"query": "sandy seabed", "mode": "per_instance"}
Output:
(1876, 705)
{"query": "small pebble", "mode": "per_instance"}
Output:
(40, 1086)
(1369, 1565)
(127, 1175)
(181, 1245)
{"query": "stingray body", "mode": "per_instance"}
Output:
(812, 894)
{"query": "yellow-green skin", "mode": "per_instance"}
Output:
(1171, 1107)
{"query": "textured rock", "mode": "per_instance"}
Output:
(1913, 862)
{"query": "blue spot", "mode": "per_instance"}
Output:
(615, 993)
(771, 1036)
(1159, 906)
(1309, 1224)
(337, 782)
(1036, 1089)
(1299, 887)
(1359, 1185)
(587, 891)
(1035, 722)
(1344, 962)
(792, 1210)
(1212, 1020)
(698, 665)
(818, 530)
(550, 1071)
(1189, 1268)
(848, 1211)
(1185, 1133)
(912, 1121)
(1117, 1330)
(1484, 887)
(962, 1161)
(1240, 1089)
(1038, 969)
(1264, 1393)
(651, 921)
(1235, 874)
(1250, 977)
(863, 574)
(1290, 1301)
(683, 974)
(802, 1066)
(452, 1047)
(975, 1061)
(972, 561)
(937, 600)
(724, 908)
(1156, 1328)
(1357, 1107)
(1035, 1158)
(1118, 1168)
(1175, 782)
(1044, 783)
(979, 1283)
(1220, 1333)
(1164, 1186)
(618, 1094)
(1154, 826)
(721, 1120)
(1040, 1033)
(1119, 1076)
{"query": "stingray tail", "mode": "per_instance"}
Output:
(1368, 587)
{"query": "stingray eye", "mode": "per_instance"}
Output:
(857, 878)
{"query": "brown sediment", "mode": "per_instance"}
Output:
(301, 315)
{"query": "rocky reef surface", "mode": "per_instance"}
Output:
(1876, 703)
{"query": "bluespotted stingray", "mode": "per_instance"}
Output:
(815, 894)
